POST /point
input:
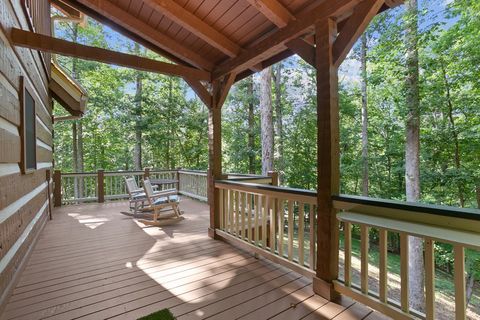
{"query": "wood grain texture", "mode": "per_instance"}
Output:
(108, 266)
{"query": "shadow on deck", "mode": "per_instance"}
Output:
(93, 262)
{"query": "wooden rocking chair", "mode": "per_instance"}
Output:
(159, 201)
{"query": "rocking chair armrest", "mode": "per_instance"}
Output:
(163, 193)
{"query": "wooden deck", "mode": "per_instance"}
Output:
(93, 262)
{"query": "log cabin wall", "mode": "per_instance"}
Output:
(23, 197)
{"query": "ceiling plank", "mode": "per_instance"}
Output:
(274, 11)
(45, 43)
(305, 50)
(354, 27)
(195, 25)
(274, 43)
(145, 31)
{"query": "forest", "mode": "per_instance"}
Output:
(387, 113)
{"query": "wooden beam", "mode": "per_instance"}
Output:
(195, 25)
(122, 18)
(221, 92)
(305, 50)
(267, 63)
(274, 11)
(66, 9)
(354, 27)
(53, 45)
(274, 43)
(328, 167)
(200, 90)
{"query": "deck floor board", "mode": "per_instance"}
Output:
(93, 262)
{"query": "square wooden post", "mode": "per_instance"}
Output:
(214, 165)
(100, 186)
(57, 188)
(327, 159)
(146, 173)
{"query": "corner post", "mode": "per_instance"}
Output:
(328, 168)
(57, 188)
(146, 173)
(48, 178)
(100, 186)
(214, 165)
(274, 176)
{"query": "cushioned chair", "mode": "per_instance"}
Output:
(160, 200)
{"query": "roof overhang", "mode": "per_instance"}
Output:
(68, 92)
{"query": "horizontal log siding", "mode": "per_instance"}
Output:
(22, 218)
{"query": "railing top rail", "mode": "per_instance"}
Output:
(79, 174)
(471, 214)
(245, 175)
(267, 188)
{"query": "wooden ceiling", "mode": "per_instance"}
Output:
(219, 36)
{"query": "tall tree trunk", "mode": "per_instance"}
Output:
(137, 152)
(266, 114)
(363, 62)
(279, 121)
(74, 157)
(169, 129)
(412, 152)
(251, 127)
(80, 166)
(453, 129)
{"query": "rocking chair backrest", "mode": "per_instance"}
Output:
(147, 185)
(131, 185)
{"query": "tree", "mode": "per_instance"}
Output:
(412, 151)
(137, 154)
(266, 113)
(364, 79)
(279, 121)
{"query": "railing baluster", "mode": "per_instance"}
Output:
(273, 231)
(404, 272)
(281, 227)
(311, 227)
(249, 217)
(264, 221)
(364, 258)
(382, 247)
(256, 205)
(429, 279)
(231, 213)
(237, 213)
(301, 231)
(243, 197)
(459, 279)
(222, 200)
(348, 253)
(290, 230)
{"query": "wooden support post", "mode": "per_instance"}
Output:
(146, 173)
(57, 188)
(214, 165)
(177, 177)
(48, 177)
(327, 159)
(100, 186)
(274, 176)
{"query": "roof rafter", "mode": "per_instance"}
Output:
(274, 11)
(145, 31)
(195, 25)
(275, 43)
(45, 43)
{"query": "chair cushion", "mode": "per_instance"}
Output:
(163, 200)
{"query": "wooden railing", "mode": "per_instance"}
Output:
(105, 185)
(458, 227)
(193, 184)
(277, 222)
(110, 185)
